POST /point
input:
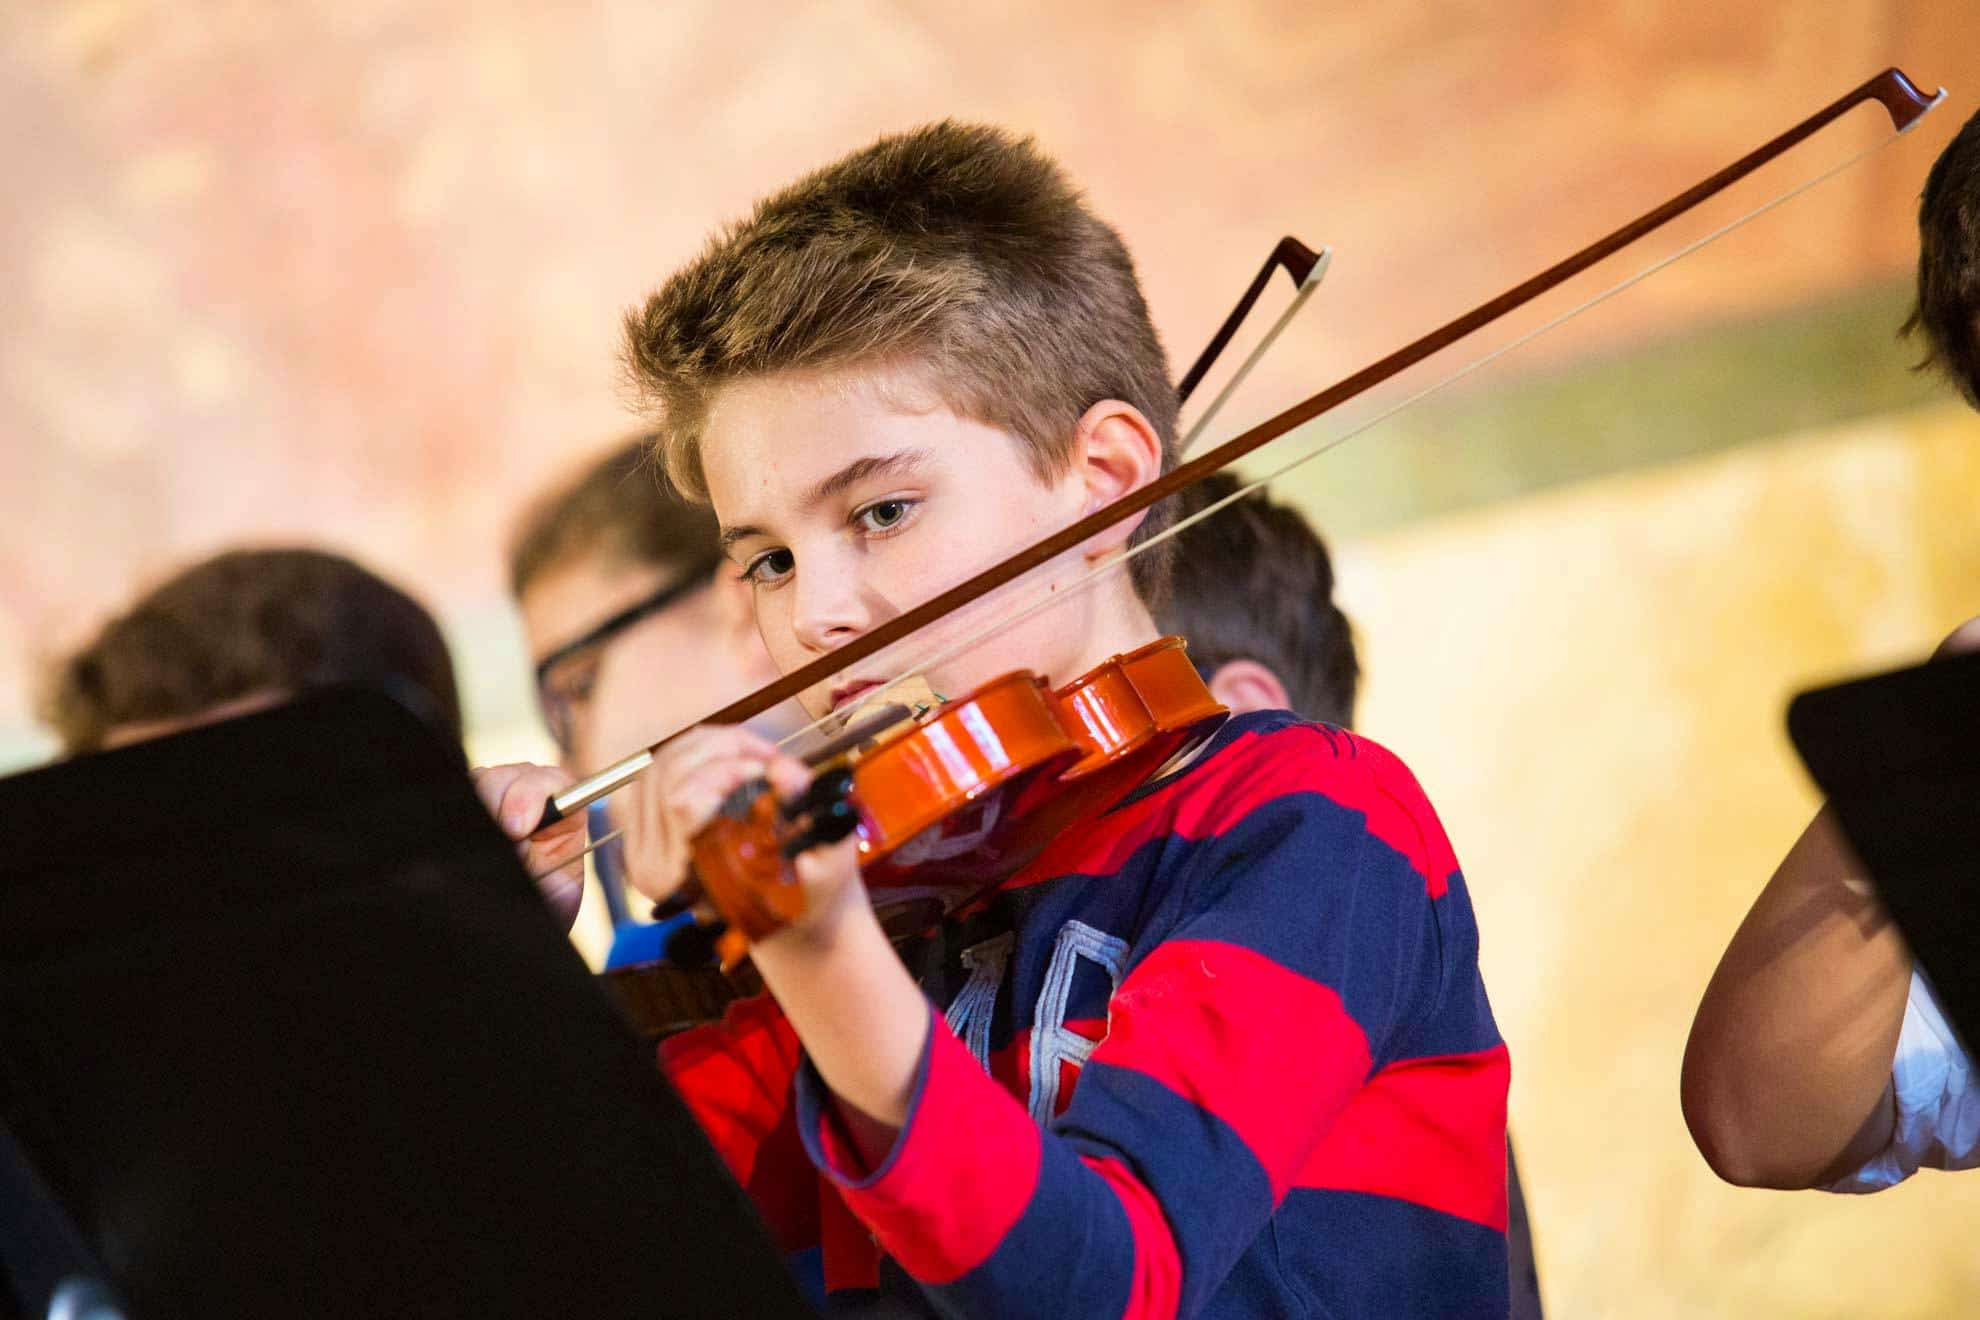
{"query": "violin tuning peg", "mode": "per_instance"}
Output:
(828, 823)
(831, 787)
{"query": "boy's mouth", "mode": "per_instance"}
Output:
(847, 693)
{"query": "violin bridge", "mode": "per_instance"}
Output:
(914, 692)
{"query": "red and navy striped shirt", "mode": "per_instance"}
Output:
(1222, 1051)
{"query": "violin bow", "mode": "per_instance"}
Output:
(1306, 268)
(1891, 89)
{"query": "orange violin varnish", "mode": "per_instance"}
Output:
(951, 789)
(975, 789)
(1150, 695)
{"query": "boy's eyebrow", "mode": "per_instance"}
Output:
(860, 469)
(731, 535)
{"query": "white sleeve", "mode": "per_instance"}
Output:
(1938, 1110)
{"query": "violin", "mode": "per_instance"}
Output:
(955, 781)
(1029, 767)
(973, 789)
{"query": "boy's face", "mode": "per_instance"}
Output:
(847, 497)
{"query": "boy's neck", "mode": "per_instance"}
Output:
(1118, 623)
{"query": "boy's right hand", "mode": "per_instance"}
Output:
(515, 795)
(681, 791)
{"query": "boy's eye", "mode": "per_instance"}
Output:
(769, 566)
(882, 515)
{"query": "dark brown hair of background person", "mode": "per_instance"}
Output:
(244, 623)
(620, 506)
(1254, 582)
(1947, 313)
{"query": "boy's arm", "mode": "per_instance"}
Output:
(1787, 1075)
(1232, 1048)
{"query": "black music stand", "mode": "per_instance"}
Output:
(1898, 755)
(285, 1030)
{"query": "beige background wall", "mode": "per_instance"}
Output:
(1591, 684)
(352, 273)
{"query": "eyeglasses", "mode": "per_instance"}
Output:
(564, 677)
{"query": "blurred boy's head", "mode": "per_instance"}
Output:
(244, 630)
(897, 370)
(1253, 592)
(1948, 309)
(634, 624)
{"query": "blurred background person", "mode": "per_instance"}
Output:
(1254, 595)
(636, 626)
(250, 629)
(243, 631)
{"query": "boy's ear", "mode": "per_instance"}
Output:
(1246, 685)
(1115, 450)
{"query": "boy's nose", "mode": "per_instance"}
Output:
(824, 619)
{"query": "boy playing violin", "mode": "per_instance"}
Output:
(1223, 1050)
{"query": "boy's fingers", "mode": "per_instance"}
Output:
(705, 745)
(560, 843)
(515, 813)
(828, 865)
(515, 795)
(490, 783)
(697, 799)
(524, 799)
(788, 775)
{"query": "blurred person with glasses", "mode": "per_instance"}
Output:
(636, 627)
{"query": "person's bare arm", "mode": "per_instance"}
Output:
(1787, 1076)
(1788, 1071)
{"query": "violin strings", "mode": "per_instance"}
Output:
(1121, 559)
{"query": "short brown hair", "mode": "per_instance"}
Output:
(958, 247)
(1253, 581)
(620, 505)
(251, 621)
(1948, 307)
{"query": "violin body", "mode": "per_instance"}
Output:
(972, 791)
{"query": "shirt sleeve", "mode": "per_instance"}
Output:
(736, 1078)
(1937, 1119)
(1233, 1046)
